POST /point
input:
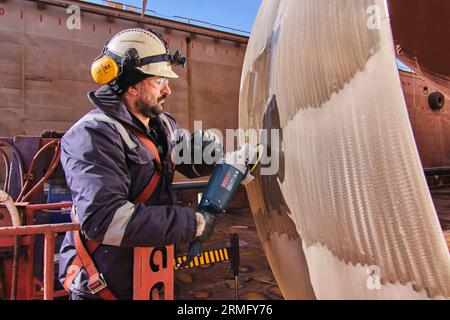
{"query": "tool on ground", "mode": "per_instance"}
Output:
(234, 169)
(210, 257)
(234, 240)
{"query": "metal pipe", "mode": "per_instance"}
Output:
(53, 166)
(15, 267)
(144, 6)
(21, 197)
(211, 24)
(190, 185)
(38, 229)
(189, 83)
(58, 205)
(49, 267)
(6, 160)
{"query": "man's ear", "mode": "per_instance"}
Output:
(132, 91)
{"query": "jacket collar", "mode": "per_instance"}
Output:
(110, 103)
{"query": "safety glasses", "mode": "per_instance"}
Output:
(160, 81)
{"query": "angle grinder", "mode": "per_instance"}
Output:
(232, 170)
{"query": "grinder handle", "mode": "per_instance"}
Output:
(193, 251)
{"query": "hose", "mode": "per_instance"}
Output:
(9, 204)
(19, 161)
(53, 165)
(15, 218)
(6, 160)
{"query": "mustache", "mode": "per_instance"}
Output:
(163, 97)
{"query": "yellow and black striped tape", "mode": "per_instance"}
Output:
(207, 257)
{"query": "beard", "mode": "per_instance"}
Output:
(151, 110)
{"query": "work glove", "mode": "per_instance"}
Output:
(206, 223)
(206, 145)
(196, 155)
(205, 228)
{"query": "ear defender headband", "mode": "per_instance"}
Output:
(109, 68)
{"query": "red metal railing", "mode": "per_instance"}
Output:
(49, 231)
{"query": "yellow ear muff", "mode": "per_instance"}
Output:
(104, 70)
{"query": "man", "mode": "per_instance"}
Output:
(110, 164)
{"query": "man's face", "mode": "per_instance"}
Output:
(153, 92)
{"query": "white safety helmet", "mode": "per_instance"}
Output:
(134, 53)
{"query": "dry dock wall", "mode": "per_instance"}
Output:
(45, 67)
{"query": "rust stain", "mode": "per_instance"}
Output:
(38, 78)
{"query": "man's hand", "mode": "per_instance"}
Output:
(205, 225)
